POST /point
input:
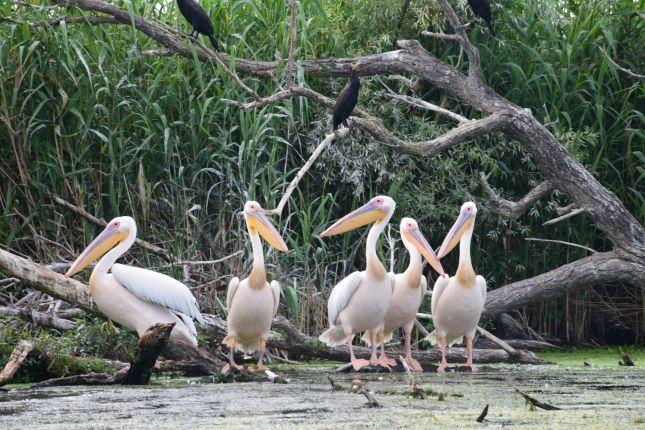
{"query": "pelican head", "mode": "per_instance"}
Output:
(117, 230)
(410, 233)
(257, 221)
(377, 209)
(464, 223)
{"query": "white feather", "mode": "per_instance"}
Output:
(157, 288)
(438, 289)
(230, 293)
(277, 290)
(481, 283)
(341, 294)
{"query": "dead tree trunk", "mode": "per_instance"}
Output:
(18, 355)
(625, 263)
(77, 293)
(150, 345)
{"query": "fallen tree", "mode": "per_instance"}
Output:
(290, 339)
(561, 171)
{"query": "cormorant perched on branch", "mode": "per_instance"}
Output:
(481, 8)
(347, 99)
(197, 17)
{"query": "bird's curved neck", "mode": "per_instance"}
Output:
(258, 276)
(113, 254)
(415, 267)
(465, 272)
(374, 265)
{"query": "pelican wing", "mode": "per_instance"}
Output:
(157, 288)
(481, 283)
(392, 277)
(277, 290)
(189, 323)
(341, 294)
(423, 286)
(439, 287)
(230, 293)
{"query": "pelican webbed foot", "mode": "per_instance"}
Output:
(413, 364)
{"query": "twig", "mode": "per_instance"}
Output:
(92, 20)
(565, 216)
(292, 43)
(201, 262)
(621, 68)
(101, 222)
(425, 105)
(334, 385)
(371, 401)
(451, 37)
(480, 418)
(577, 245)
(534, 403)
(417, 391)
(338, 134)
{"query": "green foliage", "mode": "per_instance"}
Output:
(87, 116)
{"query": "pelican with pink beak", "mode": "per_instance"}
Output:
(458, 302)
(360, 301)
(409, 290)
(131, 296)
(252, 303)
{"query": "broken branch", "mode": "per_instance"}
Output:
(510, 209)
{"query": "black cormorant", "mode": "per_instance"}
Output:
(481, 8)
(197, 17)
(347, 99)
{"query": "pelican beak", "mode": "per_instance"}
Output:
(258, 221)
(366, 214)
(463, 223)
(419, 241)
(102, 244)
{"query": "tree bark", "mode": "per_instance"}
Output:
(18, 355)
(41, 318)
(150, 345)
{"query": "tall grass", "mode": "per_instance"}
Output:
(89, 118)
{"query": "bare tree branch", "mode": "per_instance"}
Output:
(565, 216)
(514, 210)
(427, 106)
(444, 36)
(467, 130)
(603, 267)
(621, 68)
(292, 43)
(92, 20)
(535, 239)
(464, 41)
(340, 133)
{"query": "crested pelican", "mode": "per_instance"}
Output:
(131, 296)
(253, 302)
(359, 302)
(458, 302)
(409, 289)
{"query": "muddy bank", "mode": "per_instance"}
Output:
(591, 398)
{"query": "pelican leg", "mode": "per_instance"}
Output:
(412, 363)
(469, 352)
(383, 360)
(357, 363)
(373, 359)
(444, 363)
(263, 347)
(231, 357)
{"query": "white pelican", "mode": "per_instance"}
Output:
(133, 297)
(457, 302)
(252, 303)
(409, 289)
(359, 302)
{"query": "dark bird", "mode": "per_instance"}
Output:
(347, 99)
(481, 8)
(197, 17)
